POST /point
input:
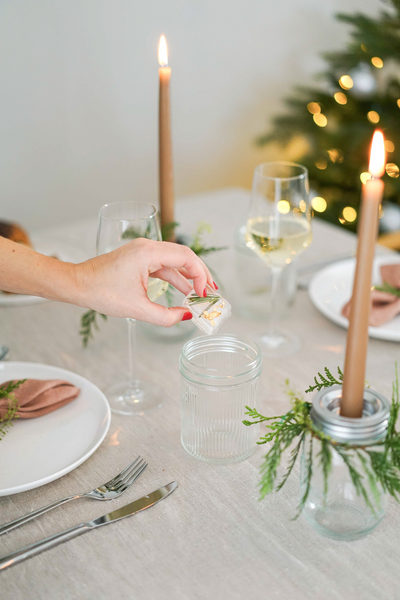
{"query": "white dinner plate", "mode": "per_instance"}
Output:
(331, 288)
(37, 451)
(49, 248)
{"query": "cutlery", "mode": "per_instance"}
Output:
(108, 491)
(4, 352)
(69, 534)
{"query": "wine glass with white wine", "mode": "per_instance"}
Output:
(119, 223)
(278, 230)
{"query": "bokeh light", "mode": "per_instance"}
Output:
(283, 206)
(314, 108)
(346, 82)
(349, 214)
(340, 98)
(319, 204)
(373, 116)
(389, 146)
(320, 120)
(365, 177)
(377, 62)
(392, 170)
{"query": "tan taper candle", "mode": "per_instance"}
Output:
(166, 184)
(357, 337)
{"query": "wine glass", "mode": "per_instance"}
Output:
(278, 230)
(119, 223)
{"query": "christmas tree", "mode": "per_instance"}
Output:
(358, 92)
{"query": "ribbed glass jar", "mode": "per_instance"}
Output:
(220, 376)
(341, 512)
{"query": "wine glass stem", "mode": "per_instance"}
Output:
(273, 309)
(132, 353)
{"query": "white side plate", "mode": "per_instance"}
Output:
(37, 451)
(331, 288)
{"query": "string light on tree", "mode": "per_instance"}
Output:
(314, 108)
(346, 82)
(340, 98)
(392, 170)
(358, 89)
(373, 116)
(389, 146)
(377, 62)
(319, 204)
(320, 120)
(349, 214)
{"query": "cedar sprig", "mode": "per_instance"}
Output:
(8, 392)
(88, 323)
(389, 289)
(325, 381)
(370, 467)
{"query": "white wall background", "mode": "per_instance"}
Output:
(78, 79)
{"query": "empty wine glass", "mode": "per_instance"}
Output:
(278, 229)
(119, 223)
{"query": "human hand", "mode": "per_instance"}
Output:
(115, 283)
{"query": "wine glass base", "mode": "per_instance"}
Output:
(125, 399)
(280, 343)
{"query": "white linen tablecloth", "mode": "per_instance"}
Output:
(212, 538)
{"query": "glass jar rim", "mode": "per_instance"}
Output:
(202, 344)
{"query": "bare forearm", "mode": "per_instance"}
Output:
(23, 271)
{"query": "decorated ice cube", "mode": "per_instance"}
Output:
(208, 313)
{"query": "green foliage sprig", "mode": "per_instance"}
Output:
(11, 413)
(88, 323)
(89, 318)
(380, 463)
(389, 289)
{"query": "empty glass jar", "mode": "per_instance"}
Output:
(341, 512)
(220, 376)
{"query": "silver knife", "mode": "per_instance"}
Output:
(69, 534)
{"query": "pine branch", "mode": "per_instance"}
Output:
(12, 408)
(326, 381)
(370, 468)
(88, 323)
(389, 289)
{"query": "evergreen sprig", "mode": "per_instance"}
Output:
(370, 467)
(389, 289)
(325, 381)
(88, 323)
(11, 412)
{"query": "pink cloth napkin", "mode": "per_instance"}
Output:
(38, 397)
(384, 306)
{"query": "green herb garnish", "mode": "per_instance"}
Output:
(380, 463)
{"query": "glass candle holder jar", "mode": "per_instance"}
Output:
(341, 512)
(220, 377)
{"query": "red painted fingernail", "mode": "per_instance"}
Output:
(215, 285)
(187, 316)
(205, 293)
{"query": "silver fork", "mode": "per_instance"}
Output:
(108, 491)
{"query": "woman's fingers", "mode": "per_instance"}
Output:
(178, 257)
(160, 315)
(175, 278)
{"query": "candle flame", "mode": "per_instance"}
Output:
(162, 52)
(377, 159)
